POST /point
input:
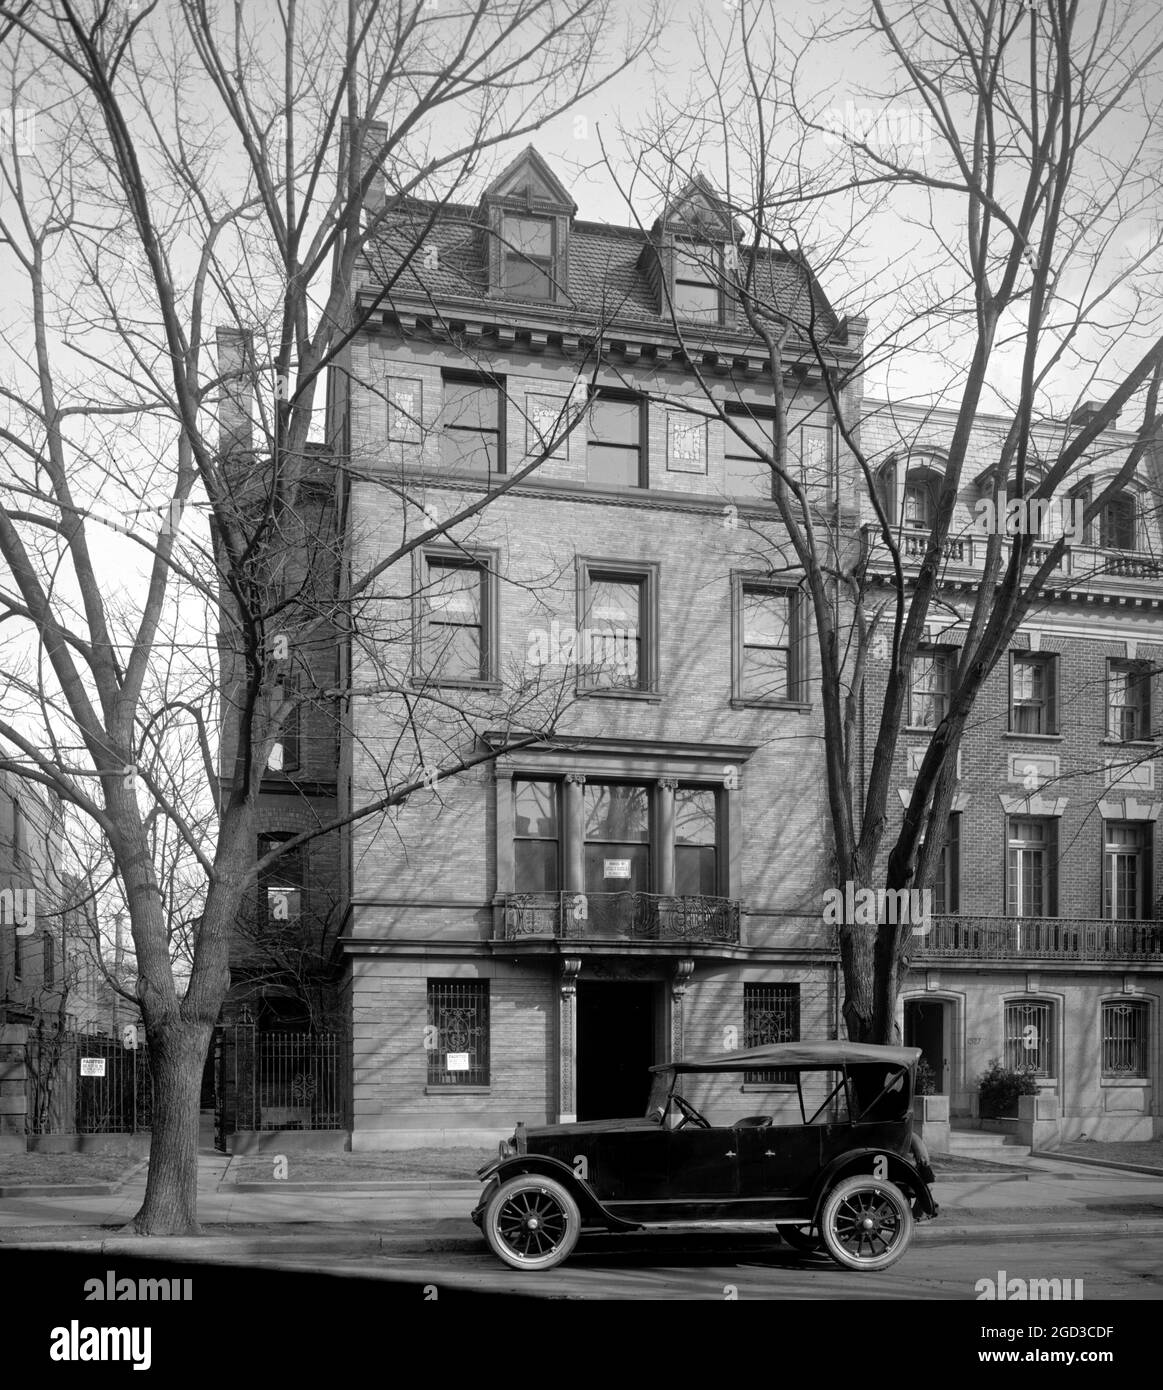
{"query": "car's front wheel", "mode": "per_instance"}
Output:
(866, 1223)
(532, 1222)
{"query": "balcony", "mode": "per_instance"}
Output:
(1079, 567)
(616, 917)
(965, 938)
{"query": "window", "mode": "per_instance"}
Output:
(766, 648)
(617, 840)
(284, 754)
(19, 838)
(947, 875)
(771, 1014)
(1128, 697)
(472, 424)
(1124, 1038)
(457, 1039)
(1031, 868)
(696, 841)
(748, 474)
(1116, 522)
(455, 643)
(616, 452)
(17, 956)
(1126, 870)
(814, 446)
(617, 621)
(918, 511)
(908, 493)
(930, 685)
(696, 287)
(280, 886)
(527, 255)
(537, 837)
(49, 961)
(1029, 1036)
(1033, 703)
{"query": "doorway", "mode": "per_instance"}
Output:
(615, 1048)
(925, 1027)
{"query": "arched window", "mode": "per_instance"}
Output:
(1116, 522)
(907, 489)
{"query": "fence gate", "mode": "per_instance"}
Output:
(277, 1081)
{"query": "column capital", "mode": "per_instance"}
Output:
(575, 778)
(669, 784)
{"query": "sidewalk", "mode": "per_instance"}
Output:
(1039, 1197)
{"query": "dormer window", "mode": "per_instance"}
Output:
(908, 493)
(696, 282)
(918, 511)
(527, 256)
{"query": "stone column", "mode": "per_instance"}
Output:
(567, 1041)
(664, 873)
(683, 970)
(575, 833)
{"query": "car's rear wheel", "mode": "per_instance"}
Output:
(805, 1239)
(532, 1222)
(866, 1223)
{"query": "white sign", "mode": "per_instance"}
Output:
(616, 868)
(456, 1061)
(92, 1066)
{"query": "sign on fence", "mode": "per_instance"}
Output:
(92, 1066)
(456, 1061)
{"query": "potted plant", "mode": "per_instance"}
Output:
(998, 1090)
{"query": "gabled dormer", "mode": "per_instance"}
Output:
(690, 256)
(527, 212)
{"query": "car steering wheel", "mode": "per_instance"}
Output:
(690, 1114)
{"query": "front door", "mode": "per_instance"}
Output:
(925, 1028)
(615, 1048)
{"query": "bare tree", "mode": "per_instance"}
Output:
(992, 208)
(194, 169)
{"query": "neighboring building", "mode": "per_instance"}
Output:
(1047, 950)
(524, 940)
(45, 942)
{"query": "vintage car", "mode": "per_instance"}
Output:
(837, 1168)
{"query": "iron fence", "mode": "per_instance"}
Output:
(84, 1083)
(621, 916)
(279, 1081)
(967, 937)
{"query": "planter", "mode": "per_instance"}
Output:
(931, 1121)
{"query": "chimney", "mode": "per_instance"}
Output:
(236, 397)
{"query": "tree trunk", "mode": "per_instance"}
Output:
(177, 1054)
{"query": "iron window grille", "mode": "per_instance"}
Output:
(771, 1014)
(458, 1033)
(1029, 1036)
(1124, 1038)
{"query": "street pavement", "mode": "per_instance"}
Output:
(1035, 1198)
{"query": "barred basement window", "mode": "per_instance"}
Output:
(771, 1014)
(1124, 1039)
(1029, 1036)
(458, 1033)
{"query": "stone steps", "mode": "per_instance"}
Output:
(978, 1143)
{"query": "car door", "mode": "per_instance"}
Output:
(626, 1164)
(704, 1163)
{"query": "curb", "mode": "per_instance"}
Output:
(1109, 1164)
(60, 1189)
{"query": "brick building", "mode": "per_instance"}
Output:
(524, 940)
(1047, 948)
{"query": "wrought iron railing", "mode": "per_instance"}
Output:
(620, 916)
(964, 937)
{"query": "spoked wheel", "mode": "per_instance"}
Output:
(802, 1238)
(532, 1222)
(866, 1223)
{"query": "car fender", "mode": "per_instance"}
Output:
(896, 1170)
(591, 1208)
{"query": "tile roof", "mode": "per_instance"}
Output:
(604, 275)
